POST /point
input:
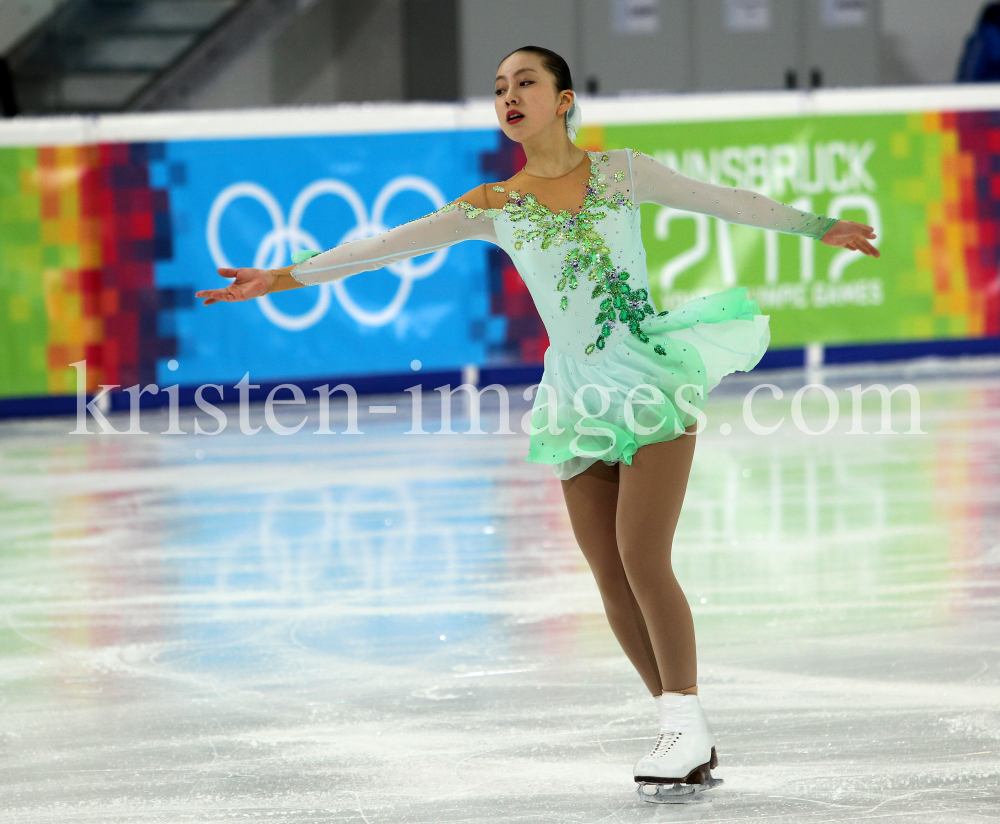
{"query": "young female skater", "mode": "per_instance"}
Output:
(622, 382)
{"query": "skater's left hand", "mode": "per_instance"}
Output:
(853, 236)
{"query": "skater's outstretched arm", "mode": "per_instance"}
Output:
(653, 182)
(444, 227)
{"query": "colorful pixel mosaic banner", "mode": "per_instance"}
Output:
(928, 183)
(103, 246)
(81, 231)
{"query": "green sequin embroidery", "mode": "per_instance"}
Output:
(591, 256)
(622, 304)
(470, 210)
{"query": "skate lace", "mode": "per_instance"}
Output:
(664, 743)
(679, 718)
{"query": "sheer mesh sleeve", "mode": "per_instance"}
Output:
(652, 182)
(447, 226)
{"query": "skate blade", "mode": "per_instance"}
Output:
(676, 793)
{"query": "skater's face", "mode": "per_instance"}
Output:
(527, 100)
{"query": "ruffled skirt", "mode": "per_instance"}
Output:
(583, 414)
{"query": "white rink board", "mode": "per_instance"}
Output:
(375, 118)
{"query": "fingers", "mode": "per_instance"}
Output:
(214, 296)
(861, 245)
(235, 292)
(856, 239)
(868, 249)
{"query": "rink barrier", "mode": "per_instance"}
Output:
(508, 376)
(117, 401)
(121, 149)
(390, 118)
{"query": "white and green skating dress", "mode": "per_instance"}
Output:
(618, 373)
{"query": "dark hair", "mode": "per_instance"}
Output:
(554, 63)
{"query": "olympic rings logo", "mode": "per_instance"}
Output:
(286, 238)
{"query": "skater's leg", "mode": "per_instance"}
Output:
(591, 499)
(650, 494)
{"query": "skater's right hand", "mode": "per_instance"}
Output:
(249, 283)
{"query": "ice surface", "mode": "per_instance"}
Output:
(400, 629)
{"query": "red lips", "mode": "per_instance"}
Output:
(514, 116)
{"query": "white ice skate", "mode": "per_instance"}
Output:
(679, 767)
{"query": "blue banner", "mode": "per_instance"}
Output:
(254, 202)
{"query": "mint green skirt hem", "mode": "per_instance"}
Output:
(579, 415)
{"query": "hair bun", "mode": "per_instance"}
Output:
(573, 120)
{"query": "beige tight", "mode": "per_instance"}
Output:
(624, 517)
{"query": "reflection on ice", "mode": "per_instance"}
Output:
(401, 629)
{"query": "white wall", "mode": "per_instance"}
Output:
(349, 50)
(928, 36)
(244, 83)
(335, 50)
(256, 77)
(491, 29)
(18, 17)
(921, 40)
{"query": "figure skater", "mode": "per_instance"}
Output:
(616, 413)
